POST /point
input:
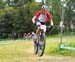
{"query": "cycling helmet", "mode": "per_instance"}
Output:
(45, 7)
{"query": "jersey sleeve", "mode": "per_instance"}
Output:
(38, 13)
(49, 15)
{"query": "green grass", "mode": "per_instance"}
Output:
(52, 46)
(22, 50)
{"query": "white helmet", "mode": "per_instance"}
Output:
(45, 7)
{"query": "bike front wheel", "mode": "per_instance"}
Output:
(35, 47)
(41, 46)
(41, 49)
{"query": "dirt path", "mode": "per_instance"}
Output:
(46, 58)
(23, 52)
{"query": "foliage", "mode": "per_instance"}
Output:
(1, 4)
(16, 17)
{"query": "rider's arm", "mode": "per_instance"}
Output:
(50, 18)
(36, 16)
(51, 22)
(33, 19)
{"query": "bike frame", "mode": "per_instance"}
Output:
(39, 46)
(41, 42)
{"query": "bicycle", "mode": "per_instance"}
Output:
(39, 46)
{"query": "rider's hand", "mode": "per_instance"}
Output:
(51, 26)
(34, 23)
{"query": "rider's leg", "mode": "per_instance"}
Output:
(43, 27)
(38, 30)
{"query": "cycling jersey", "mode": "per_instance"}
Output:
(43, 17)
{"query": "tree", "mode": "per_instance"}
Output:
(1, 4)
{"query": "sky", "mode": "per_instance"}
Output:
(38, 0)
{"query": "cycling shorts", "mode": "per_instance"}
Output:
(42, 25)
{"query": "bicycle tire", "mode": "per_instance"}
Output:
(35, 48)
(43, 42)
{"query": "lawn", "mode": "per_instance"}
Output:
(53, 48)
(22, 51)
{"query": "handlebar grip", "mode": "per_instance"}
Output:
(50, 27)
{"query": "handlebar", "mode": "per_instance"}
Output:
(49, 27)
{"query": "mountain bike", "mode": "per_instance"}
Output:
(39, 45)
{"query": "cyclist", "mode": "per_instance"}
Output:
(41, 17)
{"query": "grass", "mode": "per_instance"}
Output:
(22, 50)
(52, 47)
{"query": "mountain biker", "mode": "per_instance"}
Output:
(41, 17)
